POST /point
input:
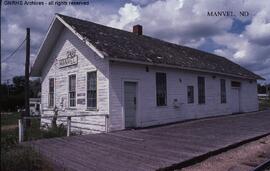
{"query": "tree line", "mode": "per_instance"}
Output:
(12, 95)
(262, 89)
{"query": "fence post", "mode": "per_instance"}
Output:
(20, 123)
(106, 123)
(68, 125)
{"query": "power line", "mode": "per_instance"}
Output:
(9, 56)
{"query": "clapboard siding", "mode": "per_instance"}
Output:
(77, 126)
(74, 34)
(249, 96)
(149, 114)
(110, 77)
(87, 61)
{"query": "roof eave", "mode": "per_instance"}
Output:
(99, 53)
(43, 52)
(36, 68)
(184, 68)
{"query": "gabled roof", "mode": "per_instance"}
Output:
(126, 46)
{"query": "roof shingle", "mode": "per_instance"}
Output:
(119, 44)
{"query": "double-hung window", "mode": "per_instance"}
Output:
(201, 90)
(161, 89)
(51, 93)
(72, 90)
(190, 94)
(92, 89)
(223, 90)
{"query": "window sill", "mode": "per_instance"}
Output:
(48, 109)
(92, 109)
(162, 106)
(71, 108)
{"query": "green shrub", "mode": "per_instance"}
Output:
(56, 131)
(10, 119)
(36, 132)
(264, 104)
(20, 158)
(9, 138)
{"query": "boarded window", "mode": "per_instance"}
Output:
(92, 89)
(201, 90)
(190, 94)
(223, 91)
(51, 92)
(72, 90)
(161, 89)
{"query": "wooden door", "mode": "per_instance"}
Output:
(235, 104)
(130, 100)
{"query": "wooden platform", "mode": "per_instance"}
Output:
(152, 148)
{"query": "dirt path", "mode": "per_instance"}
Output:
(243, 158)
(7, 127)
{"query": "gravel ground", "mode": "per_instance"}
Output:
(243, 158)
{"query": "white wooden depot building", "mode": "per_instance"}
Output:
(139, 81)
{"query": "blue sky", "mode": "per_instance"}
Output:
(242, 39)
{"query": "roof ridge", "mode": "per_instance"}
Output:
(146, 36)
(133, 46)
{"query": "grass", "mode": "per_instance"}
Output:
(9, 138)
(35, 132)
(21, 158)
(264, 104)
(10, 119)
(15, 157)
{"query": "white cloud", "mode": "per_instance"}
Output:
(127, 14)
(176, 21)
(142, 2)
(179, 21)
(259, 30)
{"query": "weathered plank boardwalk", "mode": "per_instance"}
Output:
(152, 148)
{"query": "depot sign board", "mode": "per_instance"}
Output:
(72, 59)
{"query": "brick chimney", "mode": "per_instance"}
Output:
(137, 29)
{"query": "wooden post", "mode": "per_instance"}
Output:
(106, 123)
(26, 70)
(68, 125)
(20, 122)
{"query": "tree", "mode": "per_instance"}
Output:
(18, 82)
(12, 96)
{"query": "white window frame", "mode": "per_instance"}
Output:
(86, 89)
(204, 91)
(190, 102)
(75, 90)
(49, 93)
(166, 93)
(223, 100)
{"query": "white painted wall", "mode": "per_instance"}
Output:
(87, 61)
(149, 114)
(248, 96)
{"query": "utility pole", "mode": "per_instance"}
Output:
(0, 55)
(26, 86)
(8, 87)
